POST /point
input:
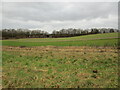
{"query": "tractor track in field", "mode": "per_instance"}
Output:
(58, 48)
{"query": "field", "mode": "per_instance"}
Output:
(77, 62)
(108, 39)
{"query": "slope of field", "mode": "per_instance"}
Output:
(107, 39)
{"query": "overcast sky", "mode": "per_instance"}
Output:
(51, 16)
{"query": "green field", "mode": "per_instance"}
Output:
(107, 39)
(73, 62)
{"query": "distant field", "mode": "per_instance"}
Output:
(107, 39)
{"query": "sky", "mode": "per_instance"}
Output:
(49, 16)
(60, 0)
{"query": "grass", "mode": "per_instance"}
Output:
(61, 62)
(104, 42)
(58, 67)
(107, 39)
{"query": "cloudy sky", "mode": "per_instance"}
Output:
(49, 16)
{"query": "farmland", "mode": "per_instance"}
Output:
(108, 39)
(89, 61)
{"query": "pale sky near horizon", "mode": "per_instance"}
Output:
(51, 16)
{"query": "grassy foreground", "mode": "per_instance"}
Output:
(107, 39)
(60, 67)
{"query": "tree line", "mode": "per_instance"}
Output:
(70, 32)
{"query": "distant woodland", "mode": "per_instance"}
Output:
(70, 32)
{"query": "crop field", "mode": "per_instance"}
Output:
(78, 62)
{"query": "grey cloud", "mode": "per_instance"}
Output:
(44, 13)
(58, 11)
